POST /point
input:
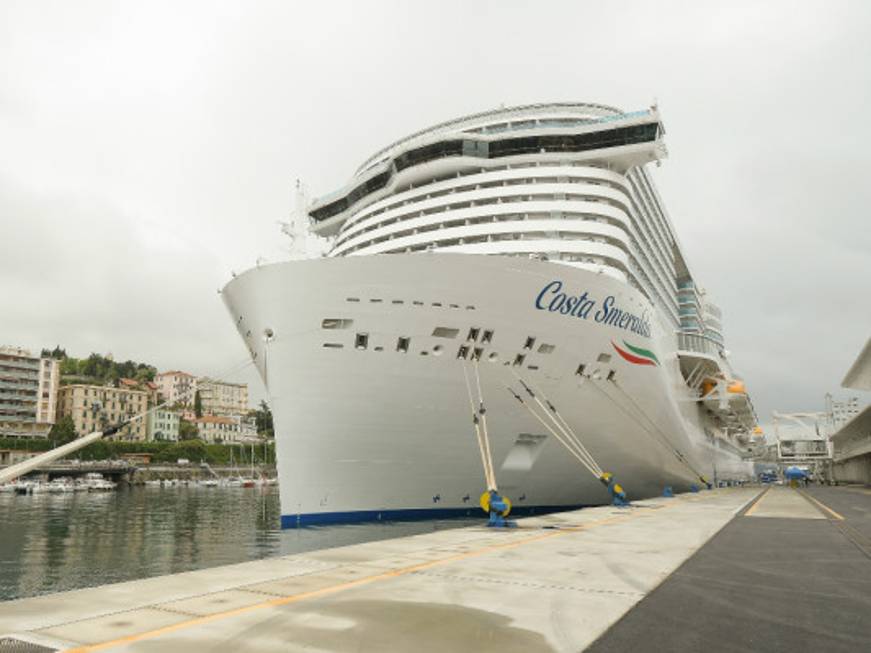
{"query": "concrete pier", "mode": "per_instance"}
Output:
(554, 583)
(562, 582)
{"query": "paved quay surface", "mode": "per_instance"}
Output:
(790, 574)
(555, 583)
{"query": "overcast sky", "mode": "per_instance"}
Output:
(147, 149)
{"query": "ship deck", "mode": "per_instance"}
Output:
(729, 569)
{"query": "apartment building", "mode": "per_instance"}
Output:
(94, 407)
(221, 398)
(218, 429)
(176, 387)
(163, 425)
(28, 393)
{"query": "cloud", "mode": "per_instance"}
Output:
(149, 149)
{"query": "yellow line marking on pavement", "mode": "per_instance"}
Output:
(756, 503)
(823, 506)
(294, 598)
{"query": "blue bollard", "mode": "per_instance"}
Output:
(668, 492)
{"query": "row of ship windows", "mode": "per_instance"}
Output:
(416, 302)
(499, 183)
(496, 219)
(554, 255)
(548, 197)
(469, 351)
(379, 181)
(510, 236)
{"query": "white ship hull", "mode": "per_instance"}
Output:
(377, 433)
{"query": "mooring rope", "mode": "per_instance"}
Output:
(489, 478)
(551, 411)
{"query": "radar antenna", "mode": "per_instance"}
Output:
(302, 243)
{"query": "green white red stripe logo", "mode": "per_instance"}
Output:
(636, 355)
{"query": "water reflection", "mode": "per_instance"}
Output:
(57, 542)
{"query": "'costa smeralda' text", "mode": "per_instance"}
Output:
(553, 299)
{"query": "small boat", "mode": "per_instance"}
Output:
(209, 482)
(96, 483)
(153, 483)
(61, 485)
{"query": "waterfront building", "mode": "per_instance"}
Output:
(15, 456)
(28, 393)
(248, 427)
(222, 398)
(176, 387)
(218, 429)
(163, 425)
(146, 386)
(839, 413)
(93, 407)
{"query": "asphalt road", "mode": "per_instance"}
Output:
(764, 584)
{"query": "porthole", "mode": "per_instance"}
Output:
(437, 350)
(493, 357)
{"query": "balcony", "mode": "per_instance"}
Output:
(17, 385)
(698, 344)
(19, 363)
(24, 376)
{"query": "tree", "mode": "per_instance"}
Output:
(63, 431)
(56, 353)
(187, 430)
(263, 419)
(198, 404)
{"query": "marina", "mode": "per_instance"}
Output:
(592, 578)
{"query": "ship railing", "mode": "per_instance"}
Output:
(699, 344)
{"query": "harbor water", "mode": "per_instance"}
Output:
(58, 542)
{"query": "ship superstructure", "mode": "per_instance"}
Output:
(530, 244)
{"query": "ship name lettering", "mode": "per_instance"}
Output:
(576, 306)
(613, 316)
(553, 299)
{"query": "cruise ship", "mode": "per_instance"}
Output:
(520, 259)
